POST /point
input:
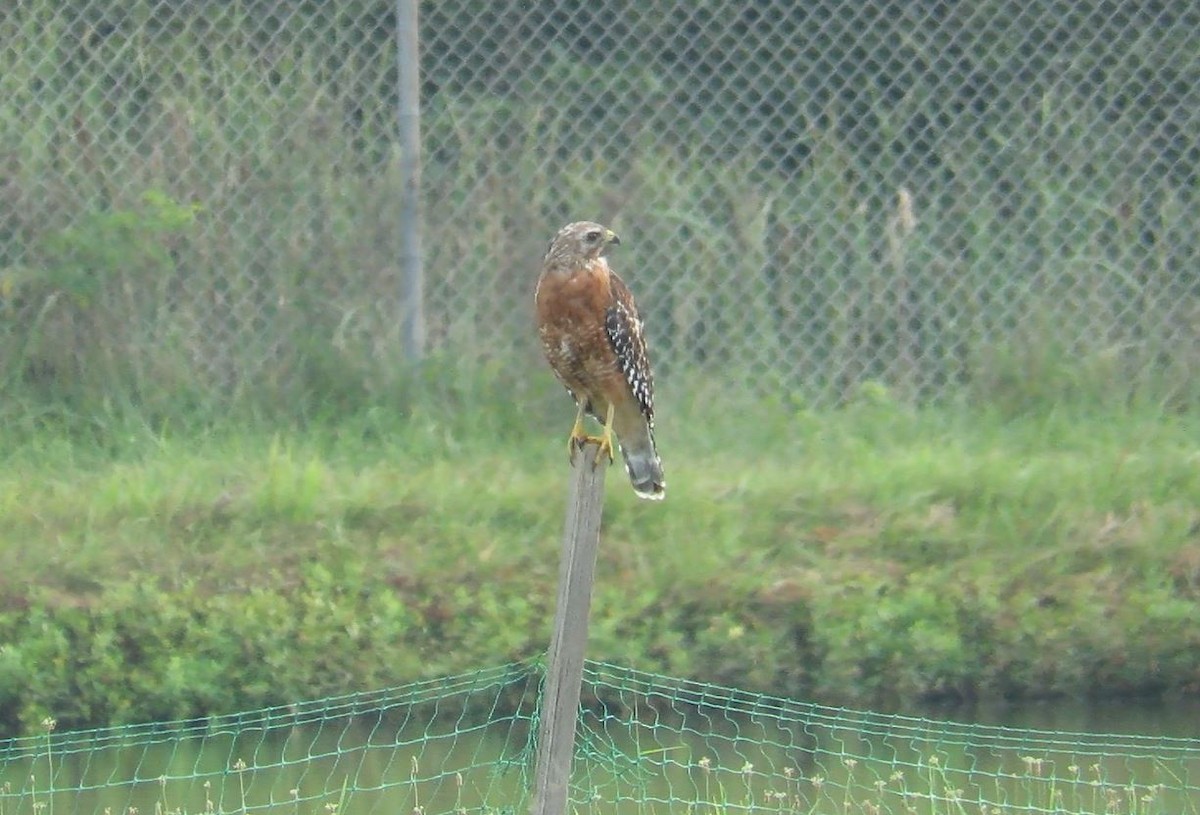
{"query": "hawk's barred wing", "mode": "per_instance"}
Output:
(623, 325)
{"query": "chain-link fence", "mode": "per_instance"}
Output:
(933, 196)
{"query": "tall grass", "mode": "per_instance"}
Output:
(201, 214)
(874, 554)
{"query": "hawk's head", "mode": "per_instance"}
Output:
(580, 242)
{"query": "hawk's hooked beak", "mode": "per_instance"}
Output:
(612, 237)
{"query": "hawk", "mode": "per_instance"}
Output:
(592, 336)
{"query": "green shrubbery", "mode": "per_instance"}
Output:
(872, 555)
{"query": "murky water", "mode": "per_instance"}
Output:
(636, 757)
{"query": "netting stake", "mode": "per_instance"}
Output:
(564, 672)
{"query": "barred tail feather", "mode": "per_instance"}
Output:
(645, 471)
(636, 436)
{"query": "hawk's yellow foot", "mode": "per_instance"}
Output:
(579, 437)
(605, 439)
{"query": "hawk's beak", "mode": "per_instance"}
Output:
(612, 237)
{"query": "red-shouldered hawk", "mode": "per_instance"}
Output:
(592, 336)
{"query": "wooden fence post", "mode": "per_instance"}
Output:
(564, 670)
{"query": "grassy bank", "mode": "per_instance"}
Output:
(869, 554)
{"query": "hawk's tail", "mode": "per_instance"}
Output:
(644, 467)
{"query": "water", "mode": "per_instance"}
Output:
(1178, 718)
(656, 752)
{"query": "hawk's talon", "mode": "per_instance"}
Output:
(606, 448)
(575, 444)
(579, 438)
(605, 440)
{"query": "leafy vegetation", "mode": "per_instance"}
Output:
(869, 554)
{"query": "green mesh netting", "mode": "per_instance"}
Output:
(646, 744)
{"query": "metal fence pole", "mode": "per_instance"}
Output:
(412, 318)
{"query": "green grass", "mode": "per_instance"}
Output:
(869, 554)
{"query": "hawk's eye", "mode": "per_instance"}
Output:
(593, 236)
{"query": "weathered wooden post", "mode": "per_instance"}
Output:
(564, 671)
